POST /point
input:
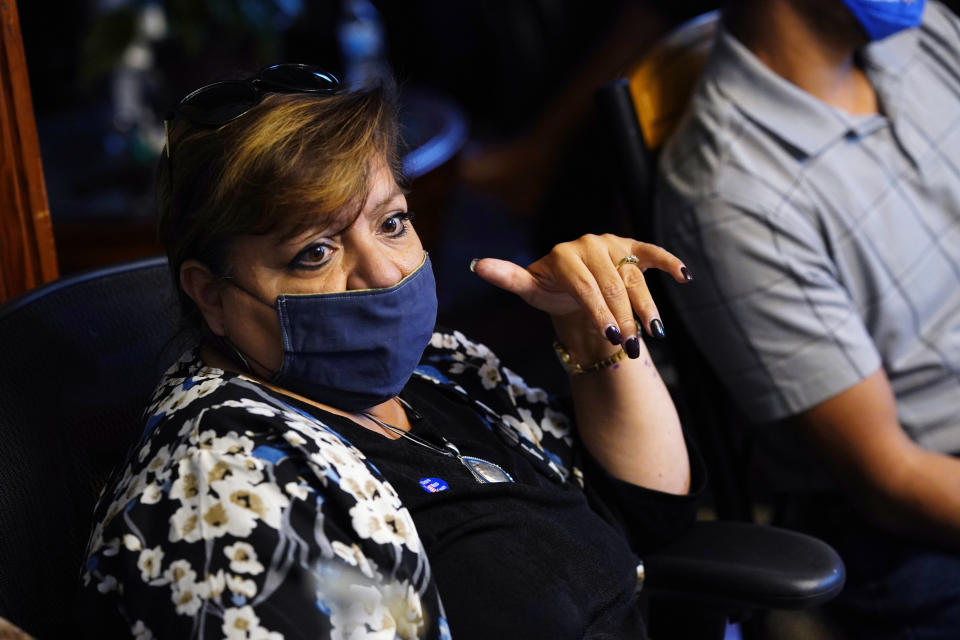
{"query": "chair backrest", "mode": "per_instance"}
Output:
(662, 82)
(80, 357)
(641, 110)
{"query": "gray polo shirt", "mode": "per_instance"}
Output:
(825, 245)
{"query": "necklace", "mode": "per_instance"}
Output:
(481, 470)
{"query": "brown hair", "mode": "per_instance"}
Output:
(274, 168)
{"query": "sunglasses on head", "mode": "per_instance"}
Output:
(214, 105)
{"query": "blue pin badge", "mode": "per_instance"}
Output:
(433, 485)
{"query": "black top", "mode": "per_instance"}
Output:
(536, 551)
(243, 508)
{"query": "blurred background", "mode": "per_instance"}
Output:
(504, 155)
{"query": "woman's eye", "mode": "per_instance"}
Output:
(312, 257)
(396, 225)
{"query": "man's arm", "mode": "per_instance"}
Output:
(898, 485)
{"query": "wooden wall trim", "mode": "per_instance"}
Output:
(27, 252)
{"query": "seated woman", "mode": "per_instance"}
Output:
(327, 464)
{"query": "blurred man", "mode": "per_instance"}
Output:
(814, 191)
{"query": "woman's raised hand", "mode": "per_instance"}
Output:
(581, 279)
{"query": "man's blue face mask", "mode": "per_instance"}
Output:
(882, 18)
(355, 349)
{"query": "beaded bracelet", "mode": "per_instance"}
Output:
(575, 369)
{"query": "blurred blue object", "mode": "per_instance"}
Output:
(361, 37)
(434, 130)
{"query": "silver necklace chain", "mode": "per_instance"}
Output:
(482, 470)
(451, 448)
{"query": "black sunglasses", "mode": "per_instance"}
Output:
(214, 105)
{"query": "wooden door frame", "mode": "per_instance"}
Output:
(27, 253)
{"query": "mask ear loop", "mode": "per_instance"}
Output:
(227, 347)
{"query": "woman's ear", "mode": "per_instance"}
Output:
(204, 288)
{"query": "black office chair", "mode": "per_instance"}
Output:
(639, 112)
(80, 358)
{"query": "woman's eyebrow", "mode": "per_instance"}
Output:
(331, 224)
(396, 193)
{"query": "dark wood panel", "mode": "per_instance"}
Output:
(27, 251)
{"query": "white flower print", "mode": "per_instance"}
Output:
(221, 490)
(185, 524)
(556, 424)
(443, 341)
(489, 375)
(112, 547)
(180, 397)
(140, 631)
(108, 584)
(243, 558)
(518, 387)
(135, 486)
(188, 597)
(216, 583)
(475, 349)
(232, 444)
(252, 406)
(226, 518)
(180, 571)
(377, 612)
(186, 488)
(526, 426)
(238, 622)
(202, 479)
(241, 586)
(353, 556)
(149, 563)
(294, 438)
(186, 593)
(403, 602)
(159, 465)
(152, 493)
(384, 521)
(297, 490)
(265, 500)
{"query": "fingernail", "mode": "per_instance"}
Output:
(686, 274)
(632, 347)
(656, 328)
(473, 264)
(613, 335)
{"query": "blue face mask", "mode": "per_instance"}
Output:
(882, 18)
(355, 349)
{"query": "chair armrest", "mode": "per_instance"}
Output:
(737, 566)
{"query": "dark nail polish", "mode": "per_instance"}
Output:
(686, 274)
(613, 335)
(656, 328)
(632, 347)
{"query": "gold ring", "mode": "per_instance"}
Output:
(628, 259)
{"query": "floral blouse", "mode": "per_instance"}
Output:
(237, 506)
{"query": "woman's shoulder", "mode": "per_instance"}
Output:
(227, 468)
(474, 370)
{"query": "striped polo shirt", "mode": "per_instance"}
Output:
(825, 244)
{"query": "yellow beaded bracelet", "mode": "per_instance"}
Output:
(575, 369)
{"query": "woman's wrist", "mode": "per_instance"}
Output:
(581, 339)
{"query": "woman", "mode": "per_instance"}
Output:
(325, 463)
